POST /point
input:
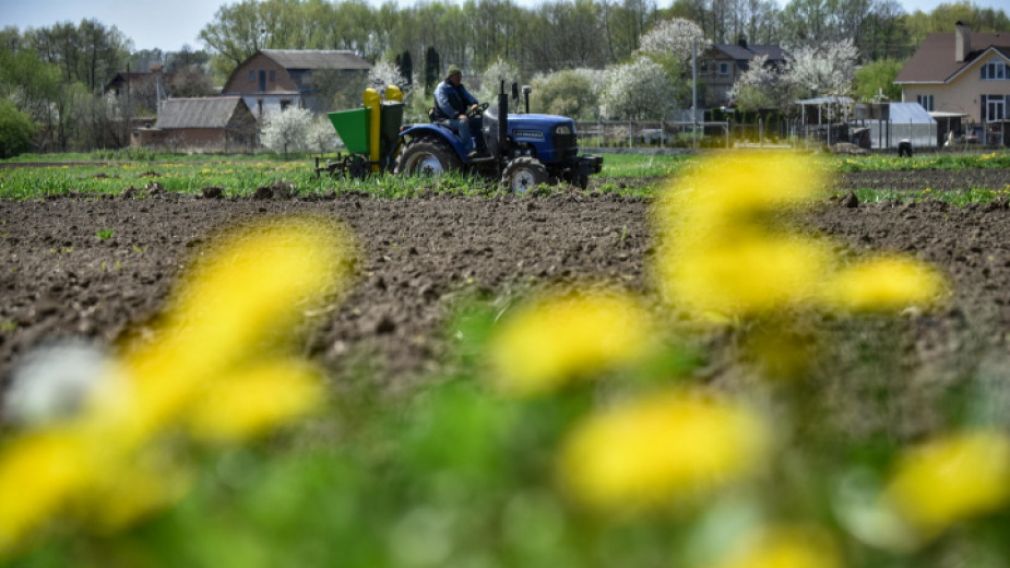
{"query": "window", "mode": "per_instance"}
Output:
(724, 68)
(995, 70)
(704, 66)
(285, 103)
(994, 107)
(926, 101)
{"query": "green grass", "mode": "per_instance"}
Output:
(112, 172)
(960, 198)
(640, 165)
(891, 162)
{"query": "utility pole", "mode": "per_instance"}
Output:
(694, 93)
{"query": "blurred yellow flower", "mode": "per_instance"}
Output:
(244, 293)
(951, 479)
(217, 364)
(727, 190)
(751, 276)
(662, 449)
(884, 284)
(721, 254)
(559, 337)
(718, 253)
(129, 491)
(38, 473)
(786, 547)
(250, 403)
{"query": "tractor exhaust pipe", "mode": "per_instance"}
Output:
(526, 97)
(503, 121)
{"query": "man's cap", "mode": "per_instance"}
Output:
(453, 70)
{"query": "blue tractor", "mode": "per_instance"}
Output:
(523, 150)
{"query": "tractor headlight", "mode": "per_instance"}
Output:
(563, 130)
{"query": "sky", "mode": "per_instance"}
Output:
(168, 24)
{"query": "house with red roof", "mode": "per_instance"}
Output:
(962, 73)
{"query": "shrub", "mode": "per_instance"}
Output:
(16, 130)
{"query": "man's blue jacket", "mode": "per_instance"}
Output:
(450, 101)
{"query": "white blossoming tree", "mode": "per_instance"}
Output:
(637, 90)
(322, 137)
(673, 37)
(818, 70)
(763, 87)
(490, 78)
(385, 73)
(287, 131)
(825, 69)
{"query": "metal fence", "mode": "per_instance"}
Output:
(661, 134)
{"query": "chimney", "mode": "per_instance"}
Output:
(741, 40)
(962, 41)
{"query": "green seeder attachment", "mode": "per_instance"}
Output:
(357, 130)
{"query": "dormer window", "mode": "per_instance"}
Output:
(994, 71)
(724, 68)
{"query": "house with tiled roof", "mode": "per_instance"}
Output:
(721, 65)
(271, 80)
(963, 72)
(220, 124)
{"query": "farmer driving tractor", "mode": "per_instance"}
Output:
(454, 105)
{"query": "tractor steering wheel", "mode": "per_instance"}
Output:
(477, 112)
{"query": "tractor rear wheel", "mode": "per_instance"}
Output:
(523, 174)
(427, 157)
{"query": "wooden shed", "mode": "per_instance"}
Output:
(220, 124)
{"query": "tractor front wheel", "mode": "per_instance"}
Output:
(523, 174)
(426, 157)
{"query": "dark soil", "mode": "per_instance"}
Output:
(60, 279)
(420, 257)
(939, 180)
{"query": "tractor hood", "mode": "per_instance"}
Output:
(549, 137)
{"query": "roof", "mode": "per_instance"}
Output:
(909, 113)
(830, 100)
(316, 59)
(202, 112)
(934, 61)
(741, 53)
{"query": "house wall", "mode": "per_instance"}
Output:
(963, 94)
(717, 86)
(245, 79)
(209, 139)
(242, 132)
(263, 105)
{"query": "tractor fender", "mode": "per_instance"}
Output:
(436, 131)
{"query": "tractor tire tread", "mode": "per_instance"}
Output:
(431, 146)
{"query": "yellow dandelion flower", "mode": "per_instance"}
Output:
(726, 190)
(717, 252)
(253, 402)
(562, 336)
(131, 490)
(244, 294)
(38, 473)
(662, 449)
(951, 479)
(786, 547)
(219, 356)
(747, 277)
(884, 284)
